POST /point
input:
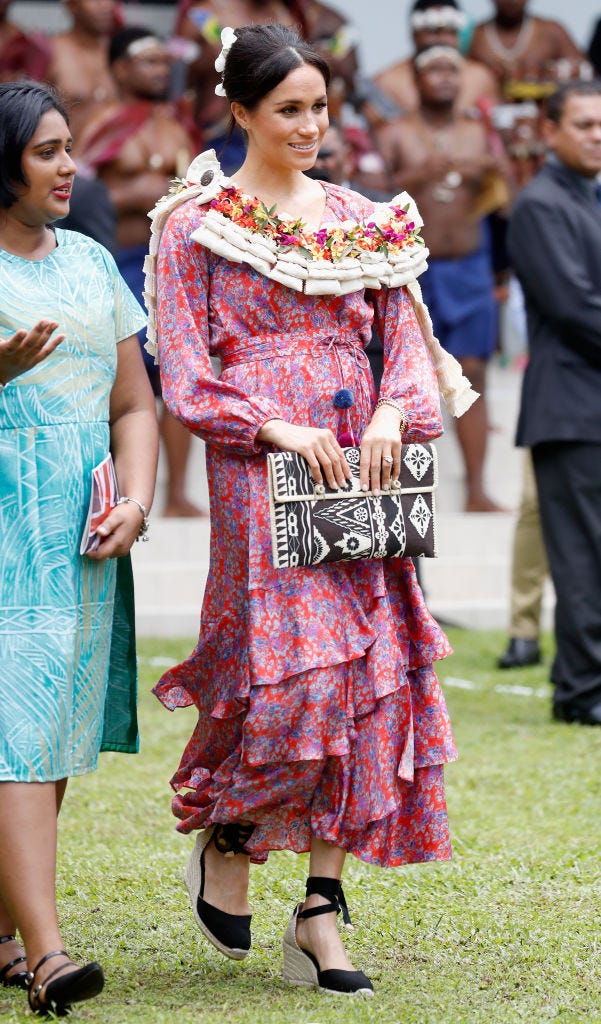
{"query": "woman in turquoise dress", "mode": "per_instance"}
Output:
(66, 400)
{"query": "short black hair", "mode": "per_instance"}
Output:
(261, 58)
(22, 104)
(122, 40)
(556, 102)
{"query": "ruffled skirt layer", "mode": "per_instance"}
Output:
(319, 712)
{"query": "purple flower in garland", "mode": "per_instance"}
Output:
(392, 236)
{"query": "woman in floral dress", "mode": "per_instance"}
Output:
(321, 724)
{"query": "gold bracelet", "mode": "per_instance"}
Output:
(398, 408)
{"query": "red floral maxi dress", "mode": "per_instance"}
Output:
(319, 712)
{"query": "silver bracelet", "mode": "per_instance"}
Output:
(394, 405)
(143, 532)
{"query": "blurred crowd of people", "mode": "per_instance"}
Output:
(457, 123)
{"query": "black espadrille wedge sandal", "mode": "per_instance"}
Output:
(301, 967)
(229, 933)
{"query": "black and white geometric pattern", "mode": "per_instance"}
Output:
(309, 528)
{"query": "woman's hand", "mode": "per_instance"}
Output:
(318, 446)
(118, 532)
(381, 450)
(27, 348)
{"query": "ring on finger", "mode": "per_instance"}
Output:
(387, 458)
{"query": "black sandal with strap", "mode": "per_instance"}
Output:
(229, 933)
(59, 995)
(19, 978)
(300, 966)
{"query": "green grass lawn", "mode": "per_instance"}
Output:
(509, 931)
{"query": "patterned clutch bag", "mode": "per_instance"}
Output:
(311, 524)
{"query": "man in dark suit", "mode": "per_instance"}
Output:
(555, 245)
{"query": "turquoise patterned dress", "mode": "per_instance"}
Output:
(56, 607)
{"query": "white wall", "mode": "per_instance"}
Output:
(51, 17)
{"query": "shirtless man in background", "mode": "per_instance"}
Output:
(78, 65)
(437, 23)
(136, 144)
(518, 47)
(443, 159)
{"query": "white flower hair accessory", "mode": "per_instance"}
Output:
(228, 38)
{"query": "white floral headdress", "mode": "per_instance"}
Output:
(228, 38)
(438, 18)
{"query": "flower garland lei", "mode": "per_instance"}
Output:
(333, 243)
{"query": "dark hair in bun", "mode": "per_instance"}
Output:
(261, 58)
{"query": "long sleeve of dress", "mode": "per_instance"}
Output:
(220, 413)
(409, 376)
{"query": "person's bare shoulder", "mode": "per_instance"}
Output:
(389, 77)
(478, 41)
(103, 114)
(564, 45)
(480, 73)
(59, 48)
(482, 82)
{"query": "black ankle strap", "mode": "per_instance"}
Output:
(55, 952)
(230, 839)
(331, 889)
(13, 963)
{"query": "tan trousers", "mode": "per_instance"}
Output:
(529, 567)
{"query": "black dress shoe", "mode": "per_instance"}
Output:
(60, 993)
(18, 979)
(520, 653)
(564, 711)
